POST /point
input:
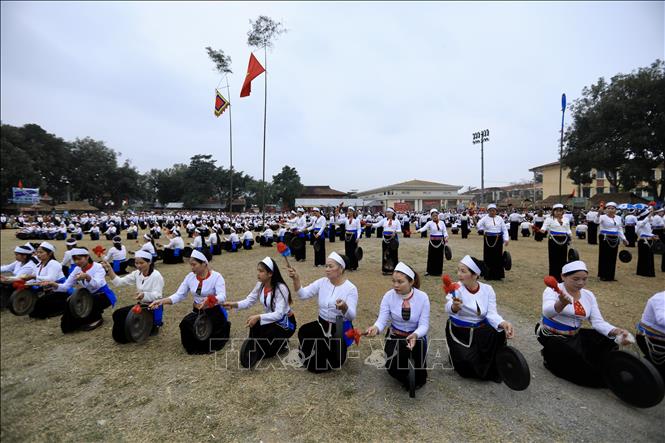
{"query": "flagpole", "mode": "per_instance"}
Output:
(228, 90)
(265, 107)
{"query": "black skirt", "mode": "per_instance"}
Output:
(558, 255)
(389, 256)
(465, 228)
(514, 227)
(435, 257)
(69, 323)
(641, 342)
(320, 255)
(645, 262)
(51, 304)
(318, 352)
(493, 257)
(266, 341)
(300, 253)
(592, 232)
(331, 233)
(221, 329)
(350, 251)
(607, 256)
(578, 358)
(631, 237)
(397, 359)
(478, 360)
(538, 236)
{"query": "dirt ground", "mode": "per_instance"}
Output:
(85, 387)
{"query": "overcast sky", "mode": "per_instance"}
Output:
(360, 95)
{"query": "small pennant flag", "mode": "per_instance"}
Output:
(20, 184)
(220, 104)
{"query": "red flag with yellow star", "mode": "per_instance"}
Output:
(253, 70)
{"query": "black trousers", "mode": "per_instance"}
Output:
(645, 262)
(350, 251)
(557, 255)
(320, 353)
(478, 360)
(578, 358)
(435, 257)
(493, 257)
(397, 359)
(607, 257)
(331, 233)
(265, 341)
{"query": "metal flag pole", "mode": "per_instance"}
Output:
(265, 110)
(228, 90)
(563, 113)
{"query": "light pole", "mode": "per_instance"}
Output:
(482, 137)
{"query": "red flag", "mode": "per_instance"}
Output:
(253, 70)
(20, 184)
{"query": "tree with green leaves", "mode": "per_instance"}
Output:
(619, 128)
(286, 187)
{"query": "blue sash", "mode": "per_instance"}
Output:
(109, 294)
(226, 314)
(247, 243)
(176, 252)
(558, 233)
(556, 325)
(116, 266)
(605, 232)
(285, 323)
(157, 316)
(347, 325)
(234, 246)
(651, 332)
(466, 324)
(493, 234)
(71, 268)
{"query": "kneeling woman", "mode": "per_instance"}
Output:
(88, 275)
(338, 297)
(407, 309)
(52, 303)
(269, 332)
(475, 331)
(202, 282)
(149, 286)
(569, 351)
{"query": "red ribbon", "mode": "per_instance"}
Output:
(281, 247)
(99, 250)
(354, 333)
(448, 286)
(137, 309)
(211, 301)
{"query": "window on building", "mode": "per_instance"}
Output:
(600, 174)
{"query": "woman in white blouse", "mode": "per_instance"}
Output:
(570, 351)
(558, 230)
(51, 303)
(209, 291)
(406, 307)
(89, 275)
(269, 332)
(390, 245)
(22, 267)
(475, 331)
(337, 297)
(611, 234)
(651, 331)
(149, 285)
(117, 256)
(438, 237)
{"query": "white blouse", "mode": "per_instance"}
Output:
(328, 294)
(436, 230)
(114, 254)
(282, 307)
(611, 224)
(318, 226)
(654, 312)
(389, 227)
(17, 268)
(494, 225)
(213, 284)
(567, 315)
(353, 225)
(553, 226)
(475, 307)
(97, 281)
(51, 272)
(148, 247)
(391, 310)
(151, 286)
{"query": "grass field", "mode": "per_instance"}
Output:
(85, 387)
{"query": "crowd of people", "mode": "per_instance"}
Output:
(77, 288)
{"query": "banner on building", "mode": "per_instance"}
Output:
(25, 195)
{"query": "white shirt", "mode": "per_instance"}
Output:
(581, 228)
(151, 286)
(515, 217)
(148, 247)
(213, 284)
(67, 258)
(51, 272)
(282, 307)
(247, 235)
(114, 254)
(176, 243)
(484, 301)
(318, 226)
(197, 242)
(390, 227)
(391, 310)
(611, 224)
(552, 225)
(630, 220)
(657, 222)
(97, 280)
(592, 216)
(328, 294)
(567, 315)
(437, 229)
(301, 223)
(654, 312)
(525, 225)
(494, 225)
(17, 268)
(353, 225)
